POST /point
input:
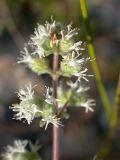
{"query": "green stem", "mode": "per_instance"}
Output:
(101, 88)
(114, 115)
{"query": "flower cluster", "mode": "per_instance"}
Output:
(75, 95)
(43, 43)
(19, 151)
(27, 108)
(47, 40)
(31, 106)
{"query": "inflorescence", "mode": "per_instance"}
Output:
(19, 151)
(44, 42)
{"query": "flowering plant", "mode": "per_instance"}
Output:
(69, 63)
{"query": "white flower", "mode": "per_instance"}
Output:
(26, 109)
(68, 34)
(25, 56)
(72, 60)
(74, 65)
(19, 148)
(88, 105)
(51, 119)
(78, 64)
(27, 93)
(82, 75)
(42, 38)
(76, 46)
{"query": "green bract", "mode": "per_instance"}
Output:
(26, 156)
(67, 70)
(39, 66)
(47, 46)
(65, 45)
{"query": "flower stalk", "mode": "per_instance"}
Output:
(54, 82)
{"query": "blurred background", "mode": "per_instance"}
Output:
(84, 135)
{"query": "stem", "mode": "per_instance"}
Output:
(54, 81)
(55, 142)
(62, 110)
(114, 116)
(101, 88)
(113, 124)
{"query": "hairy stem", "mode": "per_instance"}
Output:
(101, 88)
(54, 81)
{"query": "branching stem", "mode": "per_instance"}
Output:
(62, 110)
